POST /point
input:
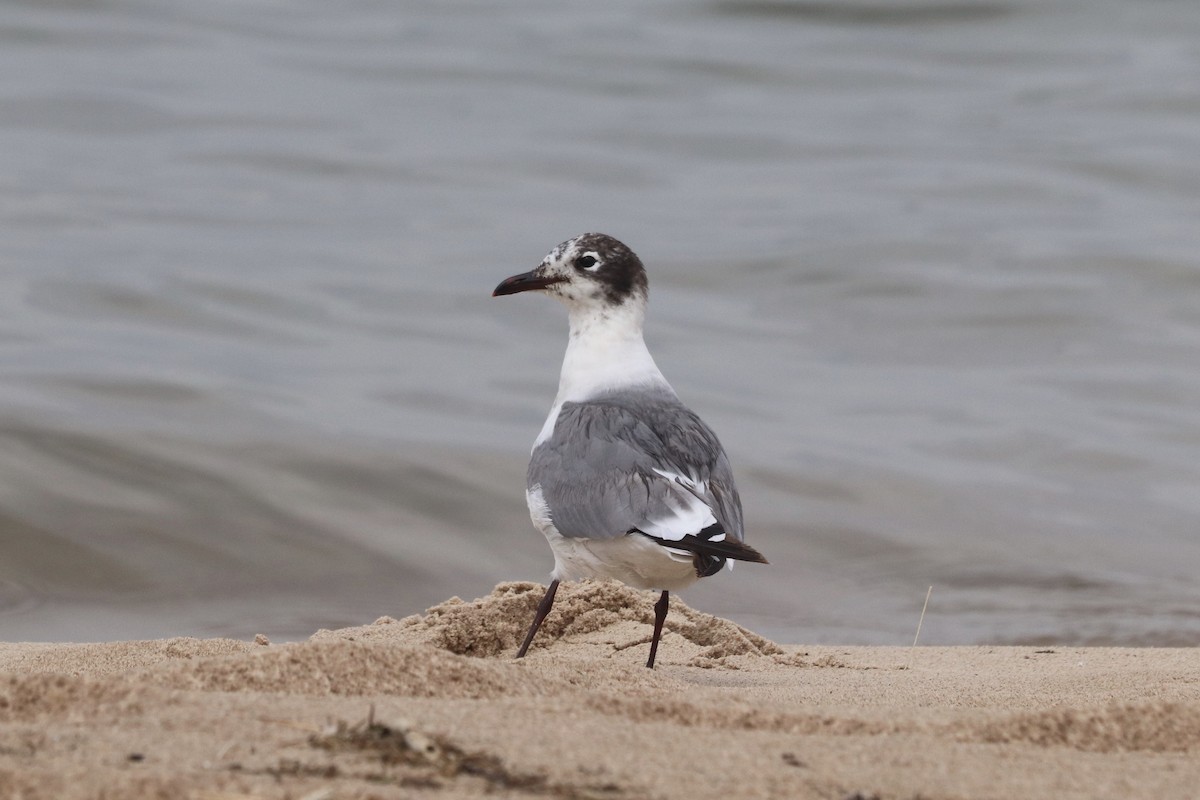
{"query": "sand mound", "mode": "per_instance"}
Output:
(26, 697)
(1155, 727)
(643, 704)
(111, 658)
(605, 613)
(350, 669)
(461, 650)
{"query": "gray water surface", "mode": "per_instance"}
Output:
(930, 269)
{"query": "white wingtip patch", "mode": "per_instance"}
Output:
(689, 513)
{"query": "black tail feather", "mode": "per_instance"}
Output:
(726, 548)
(710, 556)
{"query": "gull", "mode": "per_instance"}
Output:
(624, 481)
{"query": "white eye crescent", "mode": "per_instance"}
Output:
(588, 261)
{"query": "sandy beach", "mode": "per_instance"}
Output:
(434, 706)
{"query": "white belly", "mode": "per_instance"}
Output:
(632, 559)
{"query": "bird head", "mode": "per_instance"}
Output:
(593, 270)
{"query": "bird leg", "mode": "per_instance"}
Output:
(660, 616)
(542, 610)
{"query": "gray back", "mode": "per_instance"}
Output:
(597, 469)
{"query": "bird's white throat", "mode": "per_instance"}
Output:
(605, 351)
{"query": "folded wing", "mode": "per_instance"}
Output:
(642, 465)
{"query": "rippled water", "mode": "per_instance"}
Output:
(931, 269)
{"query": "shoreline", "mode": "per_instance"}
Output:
(434, 706)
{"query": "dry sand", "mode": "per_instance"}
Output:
(434, 706)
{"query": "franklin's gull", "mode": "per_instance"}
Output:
(625, 481)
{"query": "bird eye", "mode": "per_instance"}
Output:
(587, 262)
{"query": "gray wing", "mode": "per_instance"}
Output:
(599, 470)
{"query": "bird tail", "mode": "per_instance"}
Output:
(709, 553)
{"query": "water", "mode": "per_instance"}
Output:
(932, 270)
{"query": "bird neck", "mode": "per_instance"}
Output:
(606, 351)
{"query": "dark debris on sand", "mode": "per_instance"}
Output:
(428, 759)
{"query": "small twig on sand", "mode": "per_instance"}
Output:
(920, 622)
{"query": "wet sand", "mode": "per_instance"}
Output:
(434, 706)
